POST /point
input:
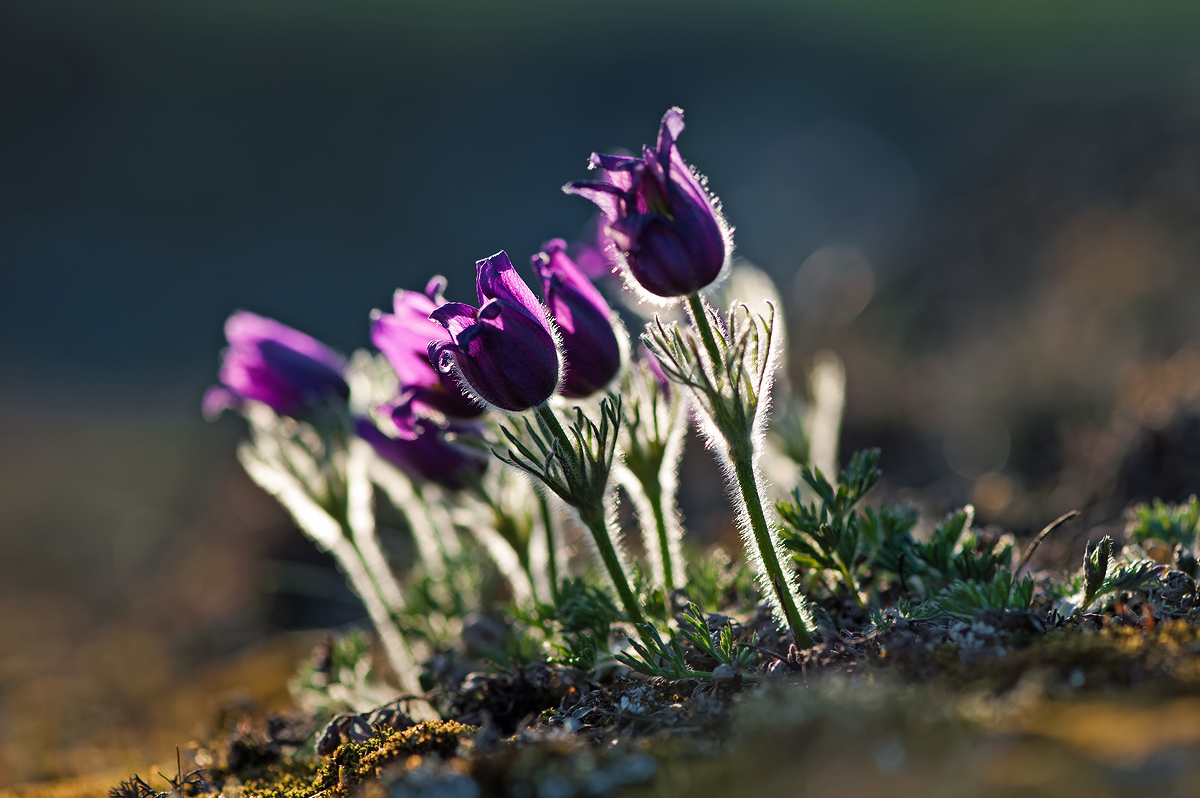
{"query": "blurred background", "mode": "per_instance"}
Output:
(990, 211)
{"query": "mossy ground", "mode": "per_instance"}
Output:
(356, 762)
(1102, 706)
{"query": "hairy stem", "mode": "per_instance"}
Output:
(852, 585)
(405, 498)
(347, 557)
(737, 432)
(654, 496)
(551, 547)
(360, 520)
(593, 519)
(591, 508)
(748, 486)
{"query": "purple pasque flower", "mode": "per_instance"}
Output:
(274, 364)
(425, 450)
(660, 217)
(587, 327)
(504, 351)
(404, 337)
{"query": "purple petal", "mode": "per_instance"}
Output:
(585, 322)
(443, 355)
(553, 264)
(217, 399)
(511, 361)
(406, 345)
(659, 257)
(245, 329)
(668, 131)
(606, 196)
(435, 288)
(423, 451)
(456, 317)
(497, 279)
(613, 163)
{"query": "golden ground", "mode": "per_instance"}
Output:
(78, 713)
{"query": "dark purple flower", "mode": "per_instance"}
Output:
(404, 337)
(425, 450)
(586, 324)
(503, 351)
(271, 363)
(660, 216)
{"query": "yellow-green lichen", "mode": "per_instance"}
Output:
(291, 779)
(353, 763)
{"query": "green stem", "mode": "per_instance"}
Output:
(743, 464)
(655, 499)
(593, 519)
(551, 548)
(699, 314)
(850, 584)
(744, 469)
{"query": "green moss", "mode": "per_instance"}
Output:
(291, 779)
(354, 763)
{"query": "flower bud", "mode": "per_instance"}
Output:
(660, 217)
(586, 324)
(274, 364)
(503, 351)
(404, 337)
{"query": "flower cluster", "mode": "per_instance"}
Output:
(513, 352)
(547, 385)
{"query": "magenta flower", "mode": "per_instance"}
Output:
(660, 217)
(404, 337)
(425, 450)
(586, 324)
(274, 364)
(503, 351)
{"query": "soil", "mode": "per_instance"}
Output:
(1102, 704)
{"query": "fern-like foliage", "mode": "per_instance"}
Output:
(957, 572)
(668, 658)
(574, 630)
(832, 534)
(965, 600)
(1103, 575)
(655, 657)
(719, 644)
(955, 552)
(1168, 532)
(716, 580)
(1169, 523)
